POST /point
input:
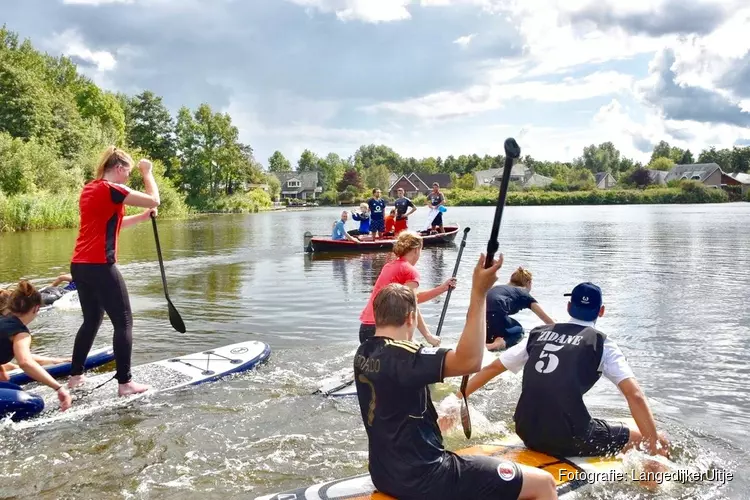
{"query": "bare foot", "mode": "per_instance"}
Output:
(75, 381)
(132, 388)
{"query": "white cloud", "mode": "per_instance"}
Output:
(371, 11)
(493, 95)
(94, 2)
(464, 41)
(71, 44)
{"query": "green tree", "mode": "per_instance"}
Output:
(278, 163)
(274, 186)
(151, 128)
(466, 181)
(351, 178)
(308, 162)
(602, 158)
(331, 170)
(661, 163)
(378, 177)
(687, 158)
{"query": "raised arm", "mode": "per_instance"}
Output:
(149, 199)
(467, 358)
(62, 278)
(537, 309)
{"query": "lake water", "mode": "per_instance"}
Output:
(676, 282)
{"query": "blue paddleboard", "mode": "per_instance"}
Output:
(97, 357)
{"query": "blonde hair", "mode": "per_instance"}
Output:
(393, 304)
(112, 157)
(364, 207)
(21, 300)
(406, 242)
(520, 277)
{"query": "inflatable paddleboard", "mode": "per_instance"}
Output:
(96, 357)
(571, 474)
(165, 375)
(344, 387)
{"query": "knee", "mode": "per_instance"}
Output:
(538, 485)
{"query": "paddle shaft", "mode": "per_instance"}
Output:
(161, 261)
(450, 290)
(512, 150)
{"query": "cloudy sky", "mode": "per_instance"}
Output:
(426, 77)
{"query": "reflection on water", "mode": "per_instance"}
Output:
(676, 282)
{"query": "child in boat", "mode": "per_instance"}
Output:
(390, 223)
(363, 217)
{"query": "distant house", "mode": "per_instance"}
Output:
(520, 174)
(658, 177)
(301, 185)
(418, 183)
(604, 180)
(743, 178)
(710, 174)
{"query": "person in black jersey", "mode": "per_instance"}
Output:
(407, 458)
(561, 362)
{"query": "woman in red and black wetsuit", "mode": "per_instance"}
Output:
(99, 282)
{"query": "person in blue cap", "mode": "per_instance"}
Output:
(561, 362)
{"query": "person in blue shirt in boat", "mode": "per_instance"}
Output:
(364, 219)
(505, 300)
(54, 292)
(17, 309)
(339, 229)
(377, 213)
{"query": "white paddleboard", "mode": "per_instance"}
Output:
(165, 375)
(345, 386)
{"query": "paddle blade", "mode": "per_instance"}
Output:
(175, 319)
(465, 418)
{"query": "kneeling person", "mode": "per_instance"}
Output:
(407, 459)
(561, 362)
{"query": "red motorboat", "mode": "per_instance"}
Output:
(367, 244)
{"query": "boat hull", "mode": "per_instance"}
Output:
(318, 244)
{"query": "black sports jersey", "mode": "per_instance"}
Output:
(10, 326)
(563, 365)
(405, 444)
(402, 205)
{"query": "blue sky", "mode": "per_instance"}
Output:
(426, 77)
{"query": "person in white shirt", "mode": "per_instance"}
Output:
(561, 362)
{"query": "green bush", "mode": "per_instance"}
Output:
(41, 210)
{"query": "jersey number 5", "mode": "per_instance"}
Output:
(544, 355)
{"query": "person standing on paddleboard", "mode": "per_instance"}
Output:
(408, 249)
(377, 214)
(407, 456)
(101, 287)
(17, 310)
(402, 204)
(506, 300)
(561, 362)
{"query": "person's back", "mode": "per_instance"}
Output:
(338, 230)
(563, 364)
(508, 300)
(405, 444)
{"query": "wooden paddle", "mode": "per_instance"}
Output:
(174, 317)
(450, 290)
(512, 151)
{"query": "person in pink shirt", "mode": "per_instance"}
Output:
(408, 249)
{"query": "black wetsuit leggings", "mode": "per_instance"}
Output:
(101, 288)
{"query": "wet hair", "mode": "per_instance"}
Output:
(406, 242)
(20, 300)
(520, 277)
(393, 304)
(110, 159)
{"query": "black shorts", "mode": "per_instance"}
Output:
(603, 439)
(377, 225)
(476, 477)
(438, 220)
(365, 332)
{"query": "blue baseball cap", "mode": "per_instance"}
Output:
(585, 301)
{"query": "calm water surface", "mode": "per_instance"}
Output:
(676, 283)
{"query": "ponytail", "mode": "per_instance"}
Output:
(406, 242)
(21, 300)
(520, 277)
(112, 157)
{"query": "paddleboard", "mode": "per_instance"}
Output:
(571, 474)
(345, 386)
(165, 375)
(68, 301)
(97, 357)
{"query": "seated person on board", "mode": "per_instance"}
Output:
(339, 229)
(561, 362)
(407, 457)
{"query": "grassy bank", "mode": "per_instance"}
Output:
(29, 212)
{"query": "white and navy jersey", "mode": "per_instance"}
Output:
(561, 362)
(405, 443)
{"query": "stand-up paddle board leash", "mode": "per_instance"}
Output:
(83, 393)
(512, 151)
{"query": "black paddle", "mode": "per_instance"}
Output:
(450, 290)
(512, 151)
(174, 317)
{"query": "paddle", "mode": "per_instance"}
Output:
(174, 317)
(450, 290)
(512, 151)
